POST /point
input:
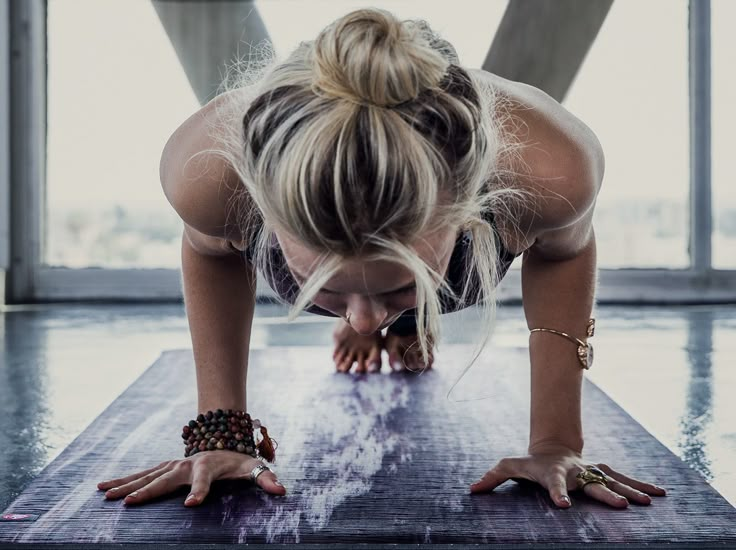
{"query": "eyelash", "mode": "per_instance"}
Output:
(321, 291)
(404, 291)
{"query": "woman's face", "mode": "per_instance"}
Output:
(375, 293)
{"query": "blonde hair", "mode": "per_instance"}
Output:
(336, 143)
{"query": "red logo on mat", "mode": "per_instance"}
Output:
(16, 516)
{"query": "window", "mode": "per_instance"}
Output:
(632, 91)
(723, 50)
(85, 178)
(116, 92)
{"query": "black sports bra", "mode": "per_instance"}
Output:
(286, 287)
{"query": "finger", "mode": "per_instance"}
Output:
(127, 488)
(201, 482)
(161, 485)
(102, 485)
(346, 363)
(634, 483)
(494, 477)
(395, 361)
(416, 362)
(270, 483)
(409, 362)
(340, 357)
(338, 353)
(628, 492)
(604, 494)
(558, 492)
(488, 482)
(374, 361)
(360, 368)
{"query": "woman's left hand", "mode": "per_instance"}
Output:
(554, 466)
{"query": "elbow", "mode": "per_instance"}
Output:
(597, 160)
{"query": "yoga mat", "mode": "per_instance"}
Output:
(373, 458)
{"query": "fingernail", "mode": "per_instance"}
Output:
(113, 489)
(566, 499)
(396, 365)
(277, 482)
(134, 494)
(191, 497)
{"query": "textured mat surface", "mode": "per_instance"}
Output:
(365, 458)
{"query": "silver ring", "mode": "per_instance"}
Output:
(258, 470)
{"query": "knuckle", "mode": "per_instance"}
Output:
(149, 478)
(205, 460)
(182, 466)
(559, 471)
(557, 483)
(504, 463)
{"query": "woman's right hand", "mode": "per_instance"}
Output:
(198, 470)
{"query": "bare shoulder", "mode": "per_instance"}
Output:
(540, 112)
(199, 182)
(558, 150)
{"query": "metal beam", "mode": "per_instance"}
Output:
(208, 34)
(544, 42)
(701, 210)
(4, 147)
(27, 146)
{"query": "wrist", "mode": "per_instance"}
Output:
(229, 429)
(574, 444)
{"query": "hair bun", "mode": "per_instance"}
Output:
(369, 56)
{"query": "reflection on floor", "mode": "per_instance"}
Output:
(62, 365)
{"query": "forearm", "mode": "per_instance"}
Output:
(219, 295)
(557, 295)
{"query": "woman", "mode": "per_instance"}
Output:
(374, 179)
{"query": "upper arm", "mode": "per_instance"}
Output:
(204, 189)
(563, 225)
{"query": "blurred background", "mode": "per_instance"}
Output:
(112, 107)
(90, 290)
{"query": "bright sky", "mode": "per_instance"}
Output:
(117, 90)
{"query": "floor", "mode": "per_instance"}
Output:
(62, 365)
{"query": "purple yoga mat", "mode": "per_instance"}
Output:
(373, 458)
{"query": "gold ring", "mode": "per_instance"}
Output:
(591, 474)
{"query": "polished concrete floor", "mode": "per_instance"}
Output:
(670, 368)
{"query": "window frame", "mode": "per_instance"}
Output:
(27, 280)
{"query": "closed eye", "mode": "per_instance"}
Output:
(404, 290)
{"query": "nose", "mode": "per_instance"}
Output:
(366, 315)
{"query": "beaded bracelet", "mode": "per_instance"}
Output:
(227, 430)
